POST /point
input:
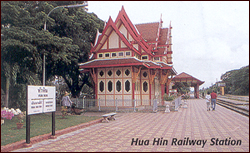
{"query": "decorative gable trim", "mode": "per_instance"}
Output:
(104, 37)
(122, 16)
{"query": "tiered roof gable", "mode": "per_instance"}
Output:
(122, 39)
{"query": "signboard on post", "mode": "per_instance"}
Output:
(41, 99)
(221, 84)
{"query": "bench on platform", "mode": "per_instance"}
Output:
(107, 117)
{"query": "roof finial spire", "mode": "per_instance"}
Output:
(161, 21)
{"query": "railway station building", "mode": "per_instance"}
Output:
(131, 62)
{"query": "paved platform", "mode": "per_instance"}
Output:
(190, 124)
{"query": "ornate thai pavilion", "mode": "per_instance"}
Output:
(131, 62)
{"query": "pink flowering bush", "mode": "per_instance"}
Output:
(9, 113)
(6, 114)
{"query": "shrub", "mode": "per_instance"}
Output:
(168, 98)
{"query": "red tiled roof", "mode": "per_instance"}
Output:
(152, 64)
(98, 63)
(117, 62)
(148, 30)
(163, 36)
(160, 51)
(184, 76)
(165, 66)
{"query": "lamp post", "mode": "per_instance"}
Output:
(65, 6)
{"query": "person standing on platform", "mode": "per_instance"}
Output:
(213, 99)
(208, 99)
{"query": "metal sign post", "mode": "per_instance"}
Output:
(27, 122)
(53, 125)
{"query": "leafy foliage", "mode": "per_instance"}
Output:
(237, 81)
(66, 42)
(168, 98)
(182, 87)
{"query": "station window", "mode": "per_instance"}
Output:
(145, 86)
(107, 55)
(118, 72)
(127, 72)
(118, 86)
(101, 86)
(127, 86)
(101, 73)
(110, 86)
(100, 55)
(144, 57)
(127, 53)
(110, 73)
(120, 53)
(113, 54)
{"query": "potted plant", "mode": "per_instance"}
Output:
(20, 116)
(9, 113)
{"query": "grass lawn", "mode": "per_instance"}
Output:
(39, 124)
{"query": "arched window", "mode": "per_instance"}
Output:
(101, 86)
(145, 74)
(145, 86)
(118, 86)
(110, 84)
(127, 86)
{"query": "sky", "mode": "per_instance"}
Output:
(209, 37)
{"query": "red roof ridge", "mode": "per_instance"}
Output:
(147, 23)
(185, 75)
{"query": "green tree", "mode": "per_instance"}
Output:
(182, 87)
(237, 81)
(81, 28)
(23, 42)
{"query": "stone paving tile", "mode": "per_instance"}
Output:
(193, 123)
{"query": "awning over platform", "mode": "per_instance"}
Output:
(190, 80)
(184, 77)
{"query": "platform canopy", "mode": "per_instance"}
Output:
(184, 77)
(190, 80)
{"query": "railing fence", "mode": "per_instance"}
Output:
(121, 105)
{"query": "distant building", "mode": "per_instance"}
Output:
(130, 61)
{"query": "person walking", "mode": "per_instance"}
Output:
(213, 99)
(208, 99)
(66, 101)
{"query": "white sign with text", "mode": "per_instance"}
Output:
(41, 99)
